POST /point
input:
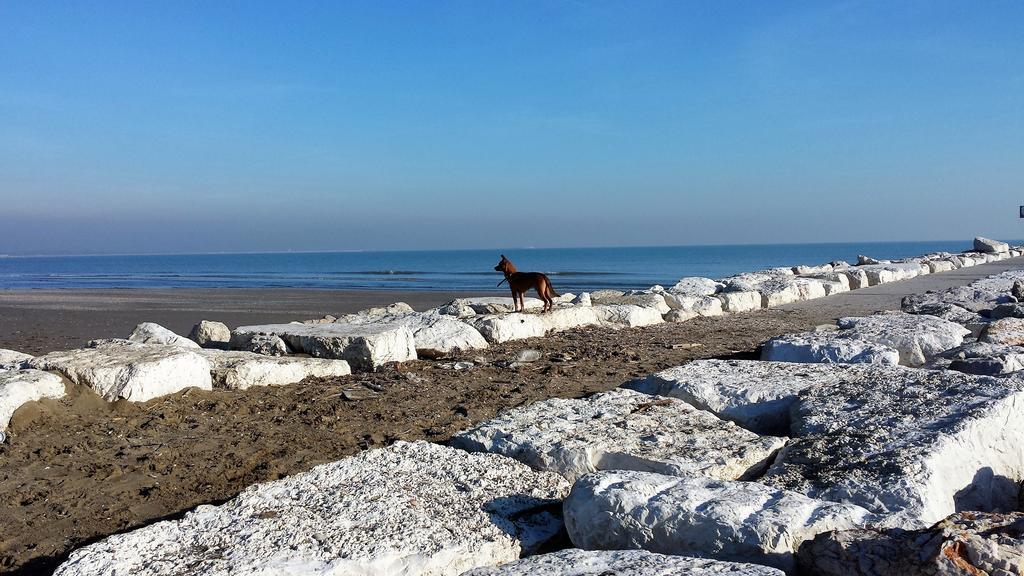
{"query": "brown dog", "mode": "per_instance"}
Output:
(520, 282)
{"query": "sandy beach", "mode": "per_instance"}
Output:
(78, 469)
(37, 321)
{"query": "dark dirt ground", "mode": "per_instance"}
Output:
(78, 469)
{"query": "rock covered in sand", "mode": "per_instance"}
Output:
(576, 562)
(913, 445)
(241, 370)
(698, 516)
(18, 387)
(365, 347)
(123, 369)
(411, 509)
(1005, 332)
(975, 543)
(151, 333)
(827, 347)
(621, 429)
(210, 334)
(917, 337)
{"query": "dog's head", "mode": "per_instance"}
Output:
(503, 265)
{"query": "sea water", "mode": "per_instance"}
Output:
(571, 269)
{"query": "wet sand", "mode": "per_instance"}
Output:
(79, 469)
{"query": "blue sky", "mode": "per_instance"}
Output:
(177, 126)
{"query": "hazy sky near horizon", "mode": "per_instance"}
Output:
(198, 126)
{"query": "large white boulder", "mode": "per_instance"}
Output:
(241, 370)
(641, 298)
(151, 333)
(756, 395)
(365, 347)
(564, 318)
(993, 246)
(576, 562)
(410, 509)
(697, 286)
(621, 429)
(698, 516)
(627, 315)
(20, 386)
(833, 282)
(892, 272)
(940, 266)
(124, 369)
(735, 302)
(968, 543)
(210, 334)
(12, 359)
(779, 290)
(434, 334)
(485, 305)
(830, 347)
(917, 337)
(913, 445)
(265, 344)
(686, 307)
(507, 327)
(855, 277)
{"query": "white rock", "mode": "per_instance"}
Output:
(582, 300)
(621, 430)
(829, 347)
(151, 333)
(210, 334)
(12, 360)
(697, 286)
(627, 315)
(756, 395)
(507, 327)
(692, 306)
(560, 318)
(129, 370)
(410, 509)
(917, 337)
(434, 335)
(643, 299)
(735, 302)
(266, 344)
(834, 282)
(939, 266)
(18, 387)
(993, 246)
(856, 277)
(913, 445)
(365, 347)
(894, 272)
(498, 305)
(576, 562)
(806, 270)
(241, 370)
(696, 516)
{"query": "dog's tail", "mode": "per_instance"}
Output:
(551, 289)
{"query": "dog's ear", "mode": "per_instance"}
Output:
(503, 257)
